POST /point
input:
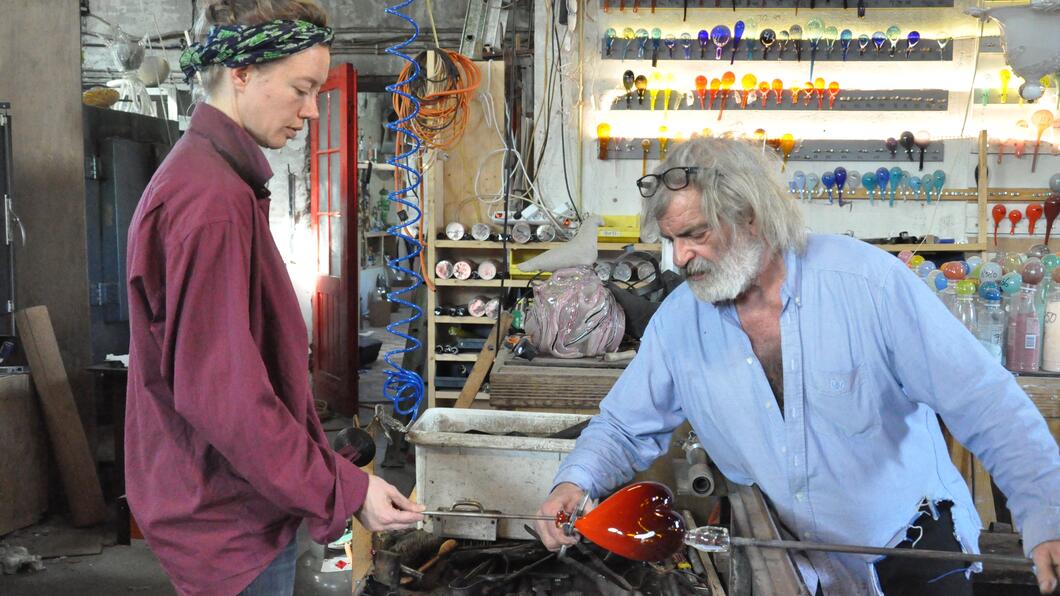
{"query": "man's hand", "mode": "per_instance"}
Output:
(565, 497)
(385, 508)
(1047, 559)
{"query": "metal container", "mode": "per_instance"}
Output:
(503, 473)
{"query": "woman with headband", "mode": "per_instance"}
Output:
(225, 455)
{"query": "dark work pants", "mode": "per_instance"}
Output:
(905, 576)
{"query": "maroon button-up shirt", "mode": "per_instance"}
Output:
(224, 452)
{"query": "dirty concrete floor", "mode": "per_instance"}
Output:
(134, 569)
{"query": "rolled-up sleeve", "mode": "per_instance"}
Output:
(222, 389)
(633, 427)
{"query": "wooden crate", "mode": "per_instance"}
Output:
(551, 383)
(23, 455)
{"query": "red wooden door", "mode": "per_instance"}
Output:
(333, 176)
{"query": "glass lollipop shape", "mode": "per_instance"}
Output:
(727, 81)
(787, 145)
(868, 180)
(1011, 282)
(907, 140)
(910, 41)
(720, 35)
(883, 176)
(924, 268)
(893, 35)
(782, 40)
(853, 180)
(766, 38)
(737, 35)
(892, 145)
(877, 40)
(701, 90)
(642, 42)
(905, 256)
(668, 91)
(654, 88)
(715, 86)
(1004, 76)
(750, 35)
(839, 175)
(629, 36)
(670, 42)
(812, 183)
(1033, 271)
(922, 138)
(814, 32)
(1034, 213)
(686, 45)
(845, 37)
(656, 42)
(603, 135)
(938, 178)
(1054, 183)
(928, 182)
(609, 40)
(833, 93)
(953, 270)
(798, 182)
(1038, 250)
(641, 83)
(763, 92)
(914, 185)
(1052, 209)
(627, 81)
(990, 273)
(863, 44)
(778, 90)
(638, 522)
(807, 92)
(796, 36)
(828, 180)
(831, 35)
(1042, 120)
(896, 181)
(704, 43)
(819, 88)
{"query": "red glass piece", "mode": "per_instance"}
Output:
(1034, 212)
(1052, 209)
(638, 522)
(1014, 216)
(998, 214)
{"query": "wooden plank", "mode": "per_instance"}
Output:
(484, 362)
(711, 573)
(1044, 391)
(77, 468)
(773, 572)
(23, 456)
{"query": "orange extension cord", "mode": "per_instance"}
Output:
(440, 123)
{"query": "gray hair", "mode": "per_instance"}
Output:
(738, 183)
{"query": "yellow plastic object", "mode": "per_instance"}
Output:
(619, 228)
(516, 257)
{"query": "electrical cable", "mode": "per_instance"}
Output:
(442, 114)
(404, 387)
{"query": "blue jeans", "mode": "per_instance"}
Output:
(278, 578)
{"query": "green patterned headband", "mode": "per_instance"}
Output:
(239, 45)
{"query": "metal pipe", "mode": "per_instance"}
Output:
(486, 515)
(990, 559)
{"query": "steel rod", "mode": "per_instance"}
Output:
(486, 515)
(996, 560)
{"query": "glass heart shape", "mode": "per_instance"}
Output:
(638, 522)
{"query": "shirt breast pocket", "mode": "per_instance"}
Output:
(844, 399)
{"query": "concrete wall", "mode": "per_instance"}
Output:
(39, 50)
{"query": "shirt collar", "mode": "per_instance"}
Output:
(792, 287)
(234, 144)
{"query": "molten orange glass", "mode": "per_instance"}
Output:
(748, 83)
(833, 92)
(638, 523)
(701, 90)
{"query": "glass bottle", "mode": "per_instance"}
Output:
(964, 306)
(1024, 351)
(1051, 332)
(992, 321)
(954, 272)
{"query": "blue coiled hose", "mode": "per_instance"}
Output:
(404, 387)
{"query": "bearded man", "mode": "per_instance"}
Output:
(817, 368)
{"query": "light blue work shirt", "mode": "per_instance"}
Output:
(870, 356)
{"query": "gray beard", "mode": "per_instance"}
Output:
(729, 276)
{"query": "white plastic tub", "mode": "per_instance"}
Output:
(508, 474)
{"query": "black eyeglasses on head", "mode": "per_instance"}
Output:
(674, 179)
